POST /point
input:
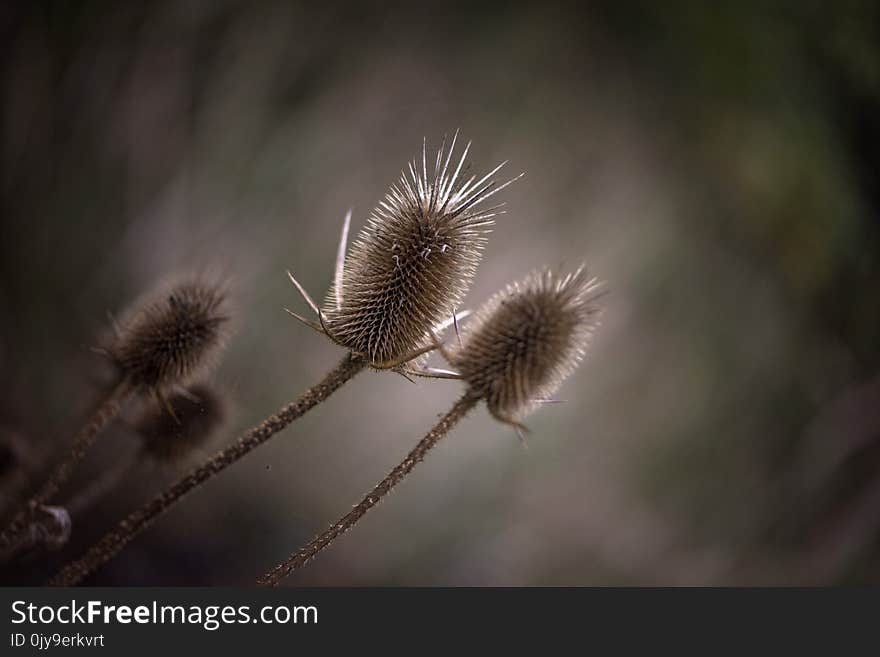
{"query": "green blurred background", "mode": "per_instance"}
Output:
(717, 165)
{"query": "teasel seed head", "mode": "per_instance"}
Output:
(415, 258)
(171, 431)
(168, 339)
(51, 528)
(524, 342)
(47, 530)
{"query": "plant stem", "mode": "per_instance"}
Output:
(302, 556)
(139, 520)
(85, 438)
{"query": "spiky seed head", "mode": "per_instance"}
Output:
(415, 258)
(527, 339)
(168, 339)
(197, 415)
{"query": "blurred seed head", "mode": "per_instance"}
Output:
(48, 530)
(415, 258)
(197, 414)
(168, 339)
(527, 339)
(51, 527)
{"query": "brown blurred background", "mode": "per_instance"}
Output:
(718, 166)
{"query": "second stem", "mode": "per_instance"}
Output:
(302, 556)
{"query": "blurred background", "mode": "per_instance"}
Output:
(717, 165)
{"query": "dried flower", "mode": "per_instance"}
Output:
(407, 271)
(526, 340)
(162, 343)
(168, 340)
(48, 529)
(412, 263)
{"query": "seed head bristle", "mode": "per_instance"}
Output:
(197, 414)
(169, 339)
(527, 339)
(415, 258)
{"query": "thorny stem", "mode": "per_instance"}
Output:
(139, 520)
(302, 556)
(85, 438)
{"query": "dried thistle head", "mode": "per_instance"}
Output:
(413, 261)
(187, 420)
(168, 339)
(526, 340)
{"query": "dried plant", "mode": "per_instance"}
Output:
(161, 343)
(526, 340)
(407, 270)
(166, 342)
(413, 262)
(48, 530)
(523, 343)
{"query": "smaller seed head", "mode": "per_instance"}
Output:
(167, 340)
(527, 339)
(197, 415)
